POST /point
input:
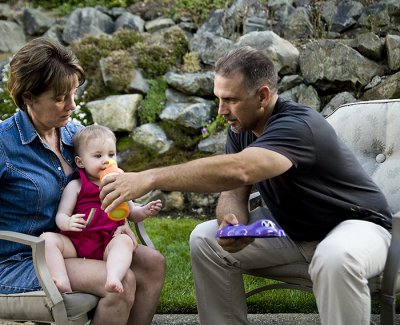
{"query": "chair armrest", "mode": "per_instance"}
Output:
(39, 262)
(253, 196)
(393, 260)
(142, 234)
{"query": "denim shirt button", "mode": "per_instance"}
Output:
(59, 168)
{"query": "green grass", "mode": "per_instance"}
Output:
(171, 238)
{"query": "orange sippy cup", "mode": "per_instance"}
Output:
(121, 211)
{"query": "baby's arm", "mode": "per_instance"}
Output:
(139, 213)
(64, 218)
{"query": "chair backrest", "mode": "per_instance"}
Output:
(372, 131)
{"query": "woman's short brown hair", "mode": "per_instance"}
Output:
(40, 65)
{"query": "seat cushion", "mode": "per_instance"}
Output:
(371, 130)
(33, 306)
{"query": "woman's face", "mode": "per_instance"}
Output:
(49, 111)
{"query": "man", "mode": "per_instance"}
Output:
(335, 216)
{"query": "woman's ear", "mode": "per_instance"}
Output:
(27, 97)
(78, 162)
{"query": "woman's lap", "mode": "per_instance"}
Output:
(18, 276)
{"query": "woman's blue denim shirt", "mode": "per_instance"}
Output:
(31, 181)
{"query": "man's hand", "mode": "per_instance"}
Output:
(119, 188)
(232, 245)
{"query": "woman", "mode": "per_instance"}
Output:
(36, 163)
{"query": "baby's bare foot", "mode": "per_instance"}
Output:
(114, 285)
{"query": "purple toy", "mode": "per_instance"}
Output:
(259, 229)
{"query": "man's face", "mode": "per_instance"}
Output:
(238, 105)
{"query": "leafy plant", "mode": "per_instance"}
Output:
(217, 125)
(154, 102)
(7, 105)
(197, 10)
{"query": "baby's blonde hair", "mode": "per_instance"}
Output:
(91, 132)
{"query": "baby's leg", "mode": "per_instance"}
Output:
(118, 257)
(58, 247)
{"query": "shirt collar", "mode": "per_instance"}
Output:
(28, 133)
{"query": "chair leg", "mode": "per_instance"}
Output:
(387, 309)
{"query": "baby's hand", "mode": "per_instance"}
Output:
(152, 208)
(76, 222)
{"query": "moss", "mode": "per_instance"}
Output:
(191, 62)
(119, 69)
(176, 40)
(154, 102)
(153, 59)
(158, 53)
(181, 139)
(217, 124)
(90, 49)
(127, 37)
(136, 157)
(7, 105)
(197, 10)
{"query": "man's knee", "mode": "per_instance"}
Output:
(333, 263)
(198, 237)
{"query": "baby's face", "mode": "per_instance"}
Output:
(95, 156)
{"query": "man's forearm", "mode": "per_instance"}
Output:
(206, 175)
(235, 202)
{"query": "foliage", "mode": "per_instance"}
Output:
(127, 37)
(155, 55)
(63, 8)
(197, 10)
(141, 158)
(118, 69)
(191, 62)
(90, 49)
(81, 113)
(217, 125)
(7, 105)
(181, 139)
(154, 102)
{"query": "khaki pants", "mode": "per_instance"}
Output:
(340, 266)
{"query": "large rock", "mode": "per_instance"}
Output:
(327, 65)
(116, 112)
(283, 53)
(87, 21)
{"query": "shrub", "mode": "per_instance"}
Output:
(191, 62)
(154, 102)
(216, 125)
(7, 105)
(118, 69)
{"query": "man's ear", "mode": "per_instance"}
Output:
(78, 162)
(265, 95)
